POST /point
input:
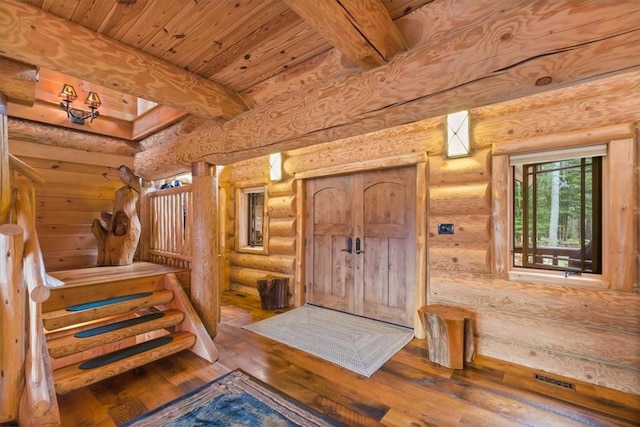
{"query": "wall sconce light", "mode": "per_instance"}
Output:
(275, 167)
(458, 134)
(77, 115)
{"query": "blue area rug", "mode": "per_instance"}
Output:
(237, 399)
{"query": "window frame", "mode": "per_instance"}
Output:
(241, 221)
(617, 260)
(530, 170)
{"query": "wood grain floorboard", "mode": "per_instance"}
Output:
(408, 390)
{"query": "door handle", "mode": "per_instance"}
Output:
(349, 248)
(358, 251)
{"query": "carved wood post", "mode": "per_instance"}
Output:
(118, 237)
(205, 286)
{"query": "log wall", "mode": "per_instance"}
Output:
(588, 333)
(241, 270)
(79, 185)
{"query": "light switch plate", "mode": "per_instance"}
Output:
(445, 228)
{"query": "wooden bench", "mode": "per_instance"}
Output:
(449, 334)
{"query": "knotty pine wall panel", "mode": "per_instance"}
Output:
(78, 186)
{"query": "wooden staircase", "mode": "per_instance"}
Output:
(108, 320)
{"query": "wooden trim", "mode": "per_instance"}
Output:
(300, 296)
(620, 222)
(349, 168)
(565, 140)
(5, 172)
(421, 283)
(500, 196)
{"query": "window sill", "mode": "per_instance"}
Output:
(557, 278)
(253, 250)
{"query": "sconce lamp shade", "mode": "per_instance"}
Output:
(68, 92)
(78, 115)
(458, 134)
(275, 167)
(93, 100)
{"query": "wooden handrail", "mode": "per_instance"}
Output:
(26, 170)
(35, 279)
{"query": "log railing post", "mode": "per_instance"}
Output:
(5, 172)
(13, 301)
(204, 262)
(35, 280)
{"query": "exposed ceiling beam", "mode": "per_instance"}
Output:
(417, 84)
(362, 30)
(52, 114)
(18, 80)
(30, 35)
(159, 117)
(26, 130)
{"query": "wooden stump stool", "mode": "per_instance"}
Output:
(449, 334)
(274, 292)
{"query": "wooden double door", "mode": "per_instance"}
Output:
(360, 247)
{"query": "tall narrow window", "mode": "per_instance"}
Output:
(251, 223)
(557, 208)
(255, 204)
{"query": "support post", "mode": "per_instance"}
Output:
(13, 297)
(5, 173)
(205, 285)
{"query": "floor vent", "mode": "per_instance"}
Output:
(554, 381)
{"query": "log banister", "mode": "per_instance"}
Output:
(36, 282)
(26, 170)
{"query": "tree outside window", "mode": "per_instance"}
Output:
(557, 215)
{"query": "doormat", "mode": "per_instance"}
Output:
(236, 399)
(356, 343)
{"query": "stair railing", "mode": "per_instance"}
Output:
(38, 383)
(166, 217)
(35, 280)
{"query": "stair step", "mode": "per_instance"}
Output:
(60, 318)
(73, 377)
(108, 301)
(94, 337)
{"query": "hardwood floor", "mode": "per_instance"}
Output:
(407, 391)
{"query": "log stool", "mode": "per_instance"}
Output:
(449, 334)
(274, 292)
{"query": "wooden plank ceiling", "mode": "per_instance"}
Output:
(238, 79)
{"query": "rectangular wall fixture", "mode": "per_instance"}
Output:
(275, 167)
(458, 134)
